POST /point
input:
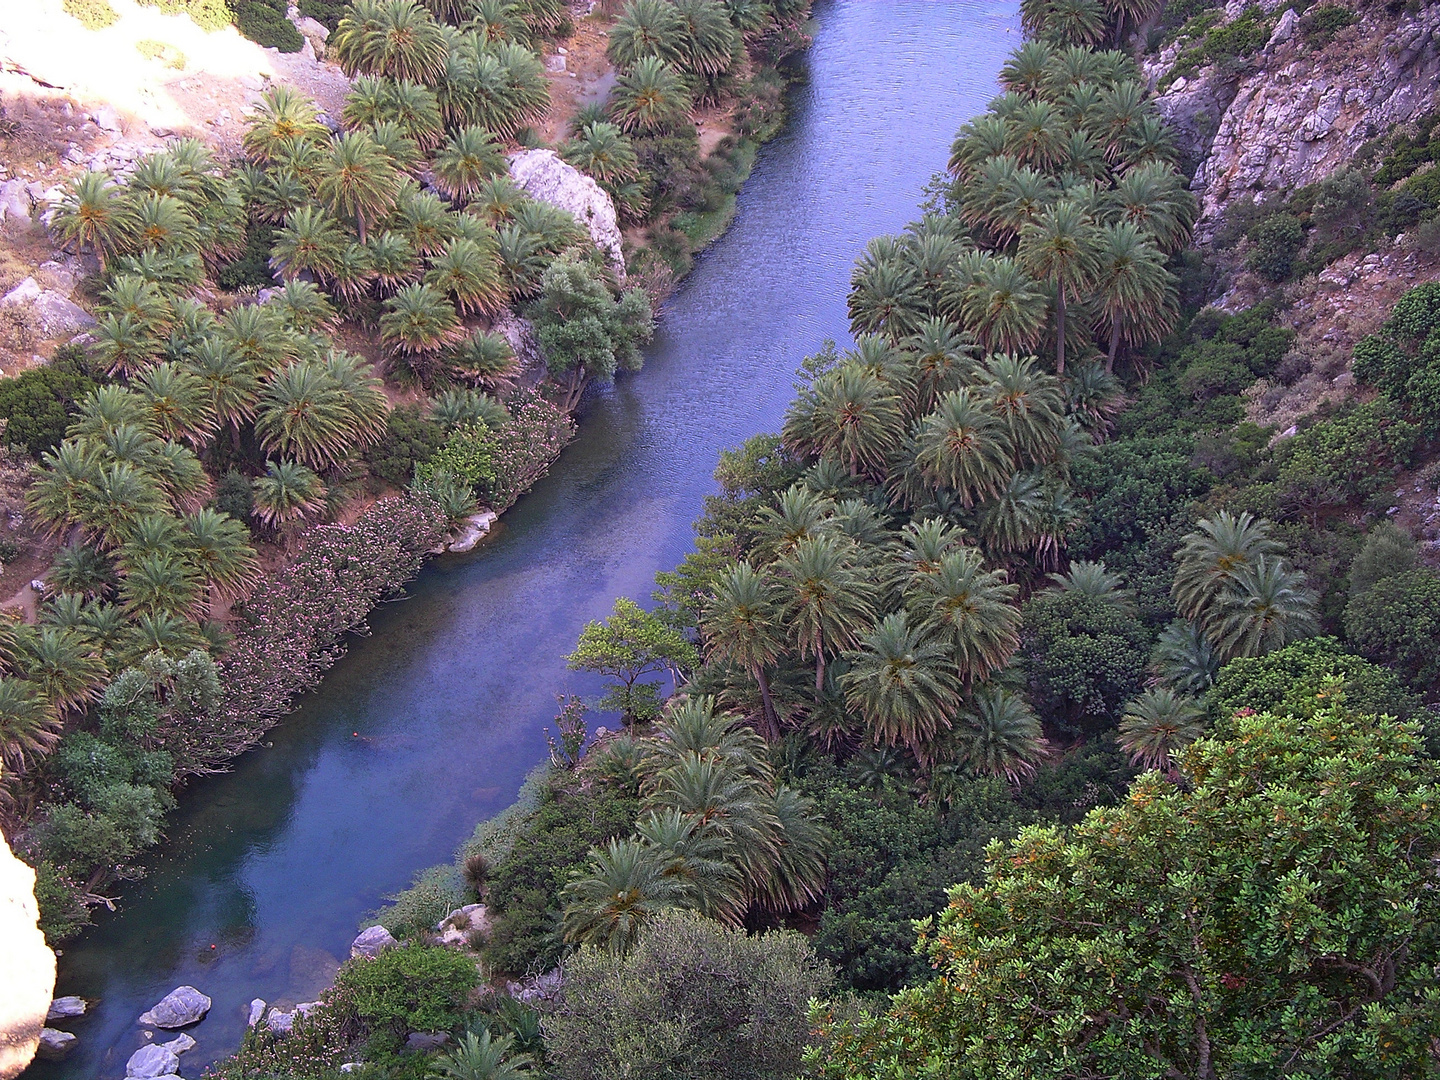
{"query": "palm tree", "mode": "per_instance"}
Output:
(398, 146)
(486, 358)
(93, 214)
(1011, 521)
(1002, 304)
(358, 180)
(603, 151)
(978, 141)
(964, 447)
(481, 1057)
(228, 382)
(709, 41)
(177, 402)
(282, 115)
(28, 729)
(1037, 134)
(649, 98)
(799, 513)
(1074, 22)
(1136, 293)
(1157, 725)
(393, 260)
(161, 222)
(317, 412)
(310, 241)
(456, 407)
(418, 319)
(826, 600)
(493, 20)
(80, 569)
(1059, 246)
(288, 492)
(1212, 556)
(943, 361)
(219, 547)
(1153, 197)
(470, 157)
(415, 111)
(741, 626)
(622, 887)
(398, 38)
(1264, 607)
(1029, 401)
(695, 857)
(257, 334)
(158, 632)
(1024, 70)
(900, 683)
(160, 582)
(796, 878)
(969, 608)
(646, 28)
(997, 734)
(124, 345)
(119, 494)
(496, 200)
(1121, 108)
(1183, 659)
(849, 414)
(884, 291)
(1093, 580)
(423, 220)
(469, 272)
(63, 665)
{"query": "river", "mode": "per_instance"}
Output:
(431, 723)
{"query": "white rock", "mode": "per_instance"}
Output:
(280, 1022)
(107, 119)
(181, 1007)
(257, 1010)
(312, 28)
(542, 175)
(151, 1061)
(371, 940)
(351, 1066)
(555, 63)
(472, 530)
(26, 971)
(54, 1044)
(64, 1008)
(179, 1045)
(1284, 29)
(307, 50)
(55, 314)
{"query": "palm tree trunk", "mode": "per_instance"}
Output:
(1060, 330)
(767, 704)
(819, 674)
(1114, 347)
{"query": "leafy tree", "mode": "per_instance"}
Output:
(36, 405)
(1387, 551)
(692, 1000)
(1171, 930)
(629, 645)
(587, 333)
(1085, 657)
(1276, 241)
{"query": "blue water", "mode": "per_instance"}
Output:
(431, 723)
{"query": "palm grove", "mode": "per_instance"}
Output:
(958, 602)
(208, 431)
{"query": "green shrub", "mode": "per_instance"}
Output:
(235, 495)
(693, 1000)
(410, 437)
(63, 912)
(1293, 679)
(93, 14)
(1387, 551)
(1397, 623)
(1381, 362)
(252, 269)
(467, 455)
(1350, 457)
(37, 404)
(1320, 24)
(1275, 242)
(432, 895)
(410, 988)
(328, 12)
(264, 22)
(206, 14)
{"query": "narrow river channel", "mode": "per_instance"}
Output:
(431, 723)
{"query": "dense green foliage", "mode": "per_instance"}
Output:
(37, 405)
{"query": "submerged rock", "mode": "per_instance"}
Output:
(64, 1008)
(371, 940)
(179, 1045)
(472, 531)
(53, 1045)
(151, 1061)
(542, 175)
(181, 1007)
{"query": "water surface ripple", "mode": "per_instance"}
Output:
(431, 723)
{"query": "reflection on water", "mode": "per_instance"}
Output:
(432, 721)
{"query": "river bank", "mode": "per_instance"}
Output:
(431, 722)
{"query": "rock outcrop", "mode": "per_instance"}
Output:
(1295, 114)
(180, 1008)
(52, 312)
(371, 941)
(542, 175)
(27, 967)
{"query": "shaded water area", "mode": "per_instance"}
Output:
(431, 723)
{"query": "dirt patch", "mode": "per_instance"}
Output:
(586, 77)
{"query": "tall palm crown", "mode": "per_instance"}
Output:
(93, 214)
(1059, 246)
(849, 414)
(827, 601)
(650, 97)
(964, 447)
(970, 608)
(899, 682)
(358, 180)
(742, 625)
(997, 734)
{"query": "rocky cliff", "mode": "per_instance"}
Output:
(27, 966)
(1293, 113)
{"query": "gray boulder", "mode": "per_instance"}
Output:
(151, 1061)
(542, 175)
(371, 940)
(179, 1045)
(257, 1011)
(64, 1008)
(53, 313)
(54, 1044)
(180, 1008)
(421, 1042)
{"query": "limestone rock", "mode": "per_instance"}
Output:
(151, 1061)
(107, 120)
(54, 314)
(537, 988)
(257, 1011)
(542, 175)
(179, 1045)
(456, 928)
(54, 1045)
(520, 333)
(474, 528)
(280, 1022)
(65, 1008)
(1284, 29)
(181, 1007)
(27, 971)
(15, 204)
(370, 941)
